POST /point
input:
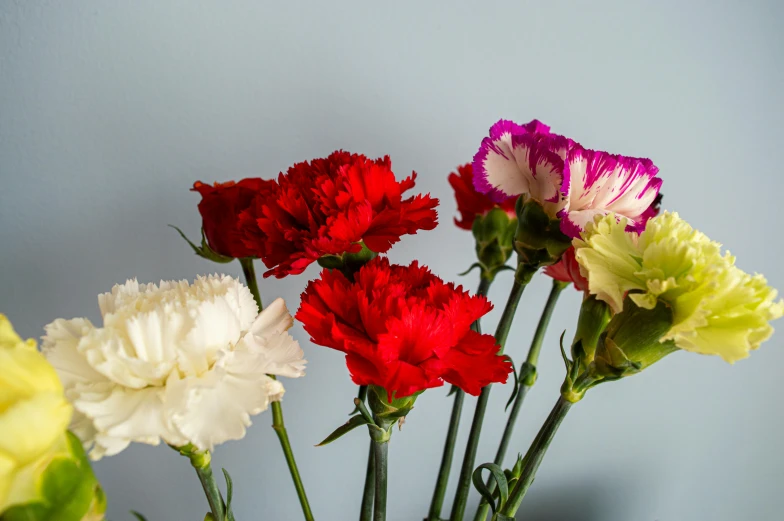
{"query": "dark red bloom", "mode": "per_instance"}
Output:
(220, 209)
(471, 203)
(568, 270)
(402, 329)
(327, 206)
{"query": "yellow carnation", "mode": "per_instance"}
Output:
(35, 447)
(717, 308)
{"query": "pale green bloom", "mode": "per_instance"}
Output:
(717, 308)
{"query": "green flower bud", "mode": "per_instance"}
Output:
(593, 320)
(538, 240)
(494, 233)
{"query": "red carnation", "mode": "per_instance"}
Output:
(220, 209)
(568, 270)
(402, 329)
(328, 207)
(471, 203)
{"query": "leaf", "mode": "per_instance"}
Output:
(474, 265)
(362, 395)
(138, 516)
(350, 425)
(516, 388)
(229, 489)
(197, 251)
(497, 474)
(452, 390)
(204, 250)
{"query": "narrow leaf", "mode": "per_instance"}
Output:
(350, 425)
(474, 265)
(229, 489)
(137, 515)
(498, 475)
(195, 248)
(362, 395)
(516, 388)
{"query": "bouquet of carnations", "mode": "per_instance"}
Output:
(191, 363)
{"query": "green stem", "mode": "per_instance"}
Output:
(527, 379)
(535, 455)
(210, 486)
(277, 410)
(250, 279)
(451, 435)
(502, 332)
(366, 510)
(380, 450)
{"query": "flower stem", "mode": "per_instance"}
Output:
(527, 379)
(277, 410)
(464, 482)
(451, 435)
(366, 510)
(201, 463)
(535, 455)
(250, 279)
(380, 450)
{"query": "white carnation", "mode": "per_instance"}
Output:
(186, 363)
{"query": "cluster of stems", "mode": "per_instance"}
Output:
(374, 498)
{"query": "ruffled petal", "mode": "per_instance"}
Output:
(216, 407)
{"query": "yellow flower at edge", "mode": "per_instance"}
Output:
(717, 308)
(34, 416)
(44, 472)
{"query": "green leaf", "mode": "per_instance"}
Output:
(498, 475)
(350, 425)
(138, 516)
(204, 250)
(229, 489)
(195, 249)
(452, 390)
(516, 387)
(474, 265)
(362, 395)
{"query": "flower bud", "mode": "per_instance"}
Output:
(494, 233)
(593, 320)
(632, 341)
(539, 240)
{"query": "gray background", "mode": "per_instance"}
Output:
(110, 110)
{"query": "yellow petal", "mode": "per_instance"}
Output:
(30, 427)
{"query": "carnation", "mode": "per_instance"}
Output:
(717, 308)
(220, 208)
(568, 270)
(470, 202)
(333, 206)
(185, 363)
(572, 183)
(402, 329)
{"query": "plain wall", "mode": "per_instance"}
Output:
(109, 111)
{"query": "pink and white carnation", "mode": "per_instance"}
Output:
(571, 182)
